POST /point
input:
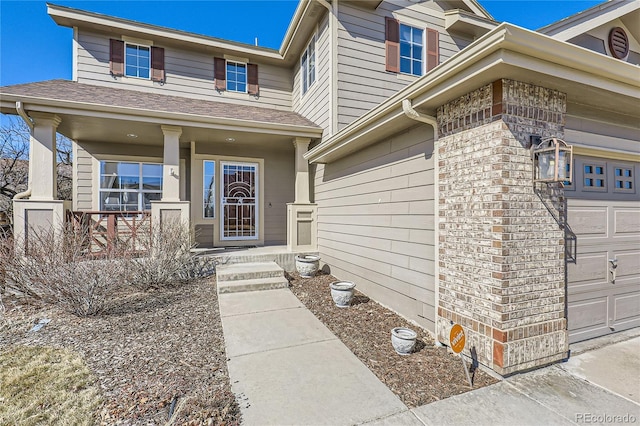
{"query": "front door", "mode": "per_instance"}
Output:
(239, 201)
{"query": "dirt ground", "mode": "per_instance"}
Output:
(163, 351)
(150, 351)
(428, 374)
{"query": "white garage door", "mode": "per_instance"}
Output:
(604, 282)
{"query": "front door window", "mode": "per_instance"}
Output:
(239, 201)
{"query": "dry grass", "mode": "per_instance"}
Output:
(44, 385)
(149, 351)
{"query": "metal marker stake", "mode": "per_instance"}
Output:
(466, 370)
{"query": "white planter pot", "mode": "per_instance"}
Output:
(342, 293)
(403, 340)
(307, 265)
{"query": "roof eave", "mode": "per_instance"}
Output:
(49, 105)
(69, 17)
(485, 53)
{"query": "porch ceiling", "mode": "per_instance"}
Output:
(110, 115)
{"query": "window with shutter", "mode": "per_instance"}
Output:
(236, 77)
(433, 49)
(157, 64)
(116, 57)
(220, 73)
(392, 45)
(252, 80)
(411, 50)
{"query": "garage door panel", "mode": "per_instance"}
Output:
(626, 306)
(626, 222)
(589, 221)
(628, 264)
(589, 269)
(589, 313)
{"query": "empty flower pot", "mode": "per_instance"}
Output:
(342, 293)
(403, 340)
(307, 265)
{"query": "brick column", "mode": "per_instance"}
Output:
(501, 253)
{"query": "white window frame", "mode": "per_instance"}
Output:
(140, 191)
(424, 47)
(308, 74)
(226, 72)
(138, 45)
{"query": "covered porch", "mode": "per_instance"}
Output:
(235, 173)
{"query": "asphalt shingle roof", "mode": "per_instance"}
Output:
(65, 90)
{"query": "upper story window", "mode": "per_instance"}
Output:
(411, 50)
(236, 77)
(126, 186)
(308, 66)
(137, 61)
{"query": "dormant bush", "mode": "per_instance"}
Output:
(55, 268)
(168, 261)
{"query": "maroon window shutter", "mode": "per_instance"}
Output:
(433, 49)
(220, 73)
(252, 79)
(116, 57)
(392, 44)
(157, 64)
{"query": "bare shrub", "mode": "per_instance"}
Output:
(54, 268)
(169, 260)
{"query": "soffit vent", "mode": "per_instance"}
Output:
(618, 43)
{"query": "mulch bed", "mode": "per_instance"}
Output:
(149, 351)
(428, 374)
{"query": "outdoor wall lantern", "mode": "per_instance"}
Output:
(552, 160)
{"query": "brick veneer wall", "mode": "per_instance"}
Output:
(502, 271)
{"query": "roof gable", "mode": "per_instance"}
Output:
(626, 11)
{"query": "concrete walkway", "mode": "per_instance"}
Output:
(287, 368)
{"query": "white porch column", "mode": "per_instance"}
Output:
(42, 155)
(302, 171)
(171, 163)
(301, 214)
(170, 207)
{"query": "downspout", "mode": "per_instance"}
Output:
(408, 110)
(23, 114)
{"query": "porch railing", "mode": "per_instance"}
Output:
(127, 232)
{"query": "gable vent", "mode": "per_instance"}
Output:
(618, 43)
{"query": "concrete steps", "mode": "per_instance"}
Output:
(240, 277)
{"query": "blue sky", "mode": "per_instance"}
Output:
(34, 48)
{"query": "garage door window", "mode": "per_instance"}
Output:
(623, 179)
(595, 177)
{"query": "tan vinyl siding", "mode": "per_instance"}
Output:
(316, 103)
(188, 73)
(599, 134)
(376, 222)
(83, 179)
(363, 81)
